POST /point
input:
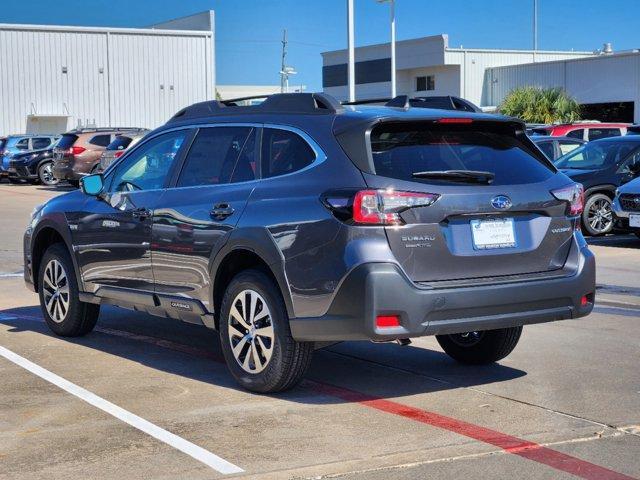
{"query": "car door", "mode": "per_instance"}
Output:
(112, 233)
(629, 168)
(194, 218)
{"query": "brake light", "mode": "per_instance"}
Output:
(383, 207)
(574, 195)
(387, 321)
(455, 120)
(118, 154)
(76, 150)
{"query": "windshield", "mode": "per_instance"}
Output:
(597, 155)
(402, 150)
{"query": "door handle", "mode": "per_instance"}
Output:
(141, 213)
(221, 211)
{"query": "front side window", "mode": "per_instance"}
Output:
(597, 156)
(284, 152)
(149, 166)
(579, 133)
(220, 155)
(547, 149)
(23, 144)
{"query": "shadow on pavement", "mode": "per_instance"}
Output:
(381, 370)
(615, 240)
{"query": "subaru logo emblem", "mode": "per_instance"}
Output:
(501, 202)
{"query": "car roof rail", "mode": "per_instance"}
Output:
(438, 102)
(300, 103)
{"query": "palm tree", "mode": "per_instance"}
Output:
(540, 105)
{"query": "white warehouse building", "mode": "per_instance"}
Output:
(607, 85)
(53, 78)
(426, 66)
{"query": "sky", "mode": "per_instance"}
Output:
(248, 32)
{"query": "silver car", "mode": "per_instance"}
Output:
(626, 206)
(120, 145)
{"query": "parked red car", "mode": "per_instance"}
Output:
(586, 131)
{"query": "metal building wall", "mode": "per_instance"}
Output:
(601, 79)
(114, 77)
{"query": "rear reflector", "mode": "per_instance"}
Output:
(586, 300)
(386, 321)
(456, 120)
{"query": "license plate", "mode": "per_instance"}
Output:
(495, 233)
(634, 220)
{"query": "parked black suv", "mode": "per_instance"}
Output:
(601, 166)
(34, 167)
(300, 221)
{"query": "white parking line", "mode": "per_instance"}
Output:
(179, 443)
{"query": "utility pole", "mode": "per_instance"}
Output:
(284, 54)
(351, 70)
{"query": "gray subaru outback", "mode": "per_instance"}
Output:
(300, 221)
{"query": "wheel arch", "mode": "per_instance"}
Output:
(607, 189)
(255, 249)
(46, 235)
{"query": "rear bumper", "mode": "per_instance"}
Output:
(374, 289)
(65, 172)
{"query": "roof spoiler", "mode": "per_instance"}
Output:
(441, 102)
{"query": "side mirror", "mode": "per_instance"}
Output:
(92, 184)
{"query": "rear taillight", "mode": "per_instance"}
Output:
(118, 154)
(573, 195)
(76, 150)
(383, 207)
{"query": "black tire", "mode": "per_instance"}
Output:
(289, 360)
(80, 317)
(46, 177)
(605, 225)
(486, 347)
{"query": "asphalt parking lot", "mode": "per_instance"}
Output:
(145, 397)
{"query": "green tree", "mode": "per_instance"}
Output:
(540, 105)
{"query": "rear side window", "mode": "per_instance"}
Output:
(284, 152)
(566, 146)
(579, 133)
(101, 140)
(39, 143)
(596, 133)
(220, 155)
(399, 150)
(120, 143)
(67, 141)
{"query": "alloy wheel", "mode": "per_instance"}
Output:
(251, 332)
(467, 339)
(600, 216)
(46, 174)
(55, 287)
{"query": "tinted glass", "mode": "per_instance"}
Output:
(67, 141)
(579, 133)
(39, 143)
(214, 157)
(3, 142)
(23, 144)
(597, 155)
(597, 133)
(399, 150)
(101, 140)
(421, 84)
(119, 143)
(284, 152)
(547, 149)
(148, 168)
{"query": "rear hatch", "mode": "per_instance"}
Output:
(494, 215)
(63, 151)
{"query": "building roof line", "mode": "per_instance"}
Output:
(625, 53)
(513, 50)
(125, 31)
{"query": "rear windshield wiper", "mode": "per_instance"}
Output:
(467, 176)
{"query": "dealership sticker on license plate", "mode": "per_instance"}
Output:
(495, 233)
(634, 221)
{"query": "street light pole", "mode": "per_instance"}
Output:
(351, 70)
(535, 28)
(392, 18)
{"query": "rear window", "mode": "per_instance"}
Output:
(399, 150)
(67, 141)
(120, 143)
